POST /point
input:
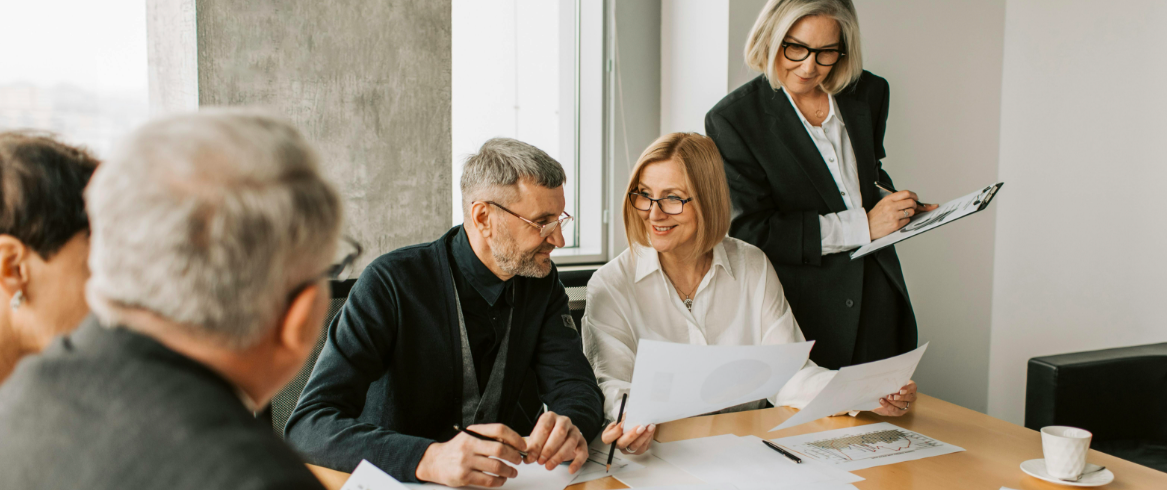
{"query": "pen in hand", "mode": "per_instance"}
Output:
(612, 450)
(889, 190)
(485, 438)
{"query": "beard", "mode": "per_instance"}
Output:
(517, 262)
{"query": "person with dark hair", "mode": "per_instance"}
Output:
(44, 242)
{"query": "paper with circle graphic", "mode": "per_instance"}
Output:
(673, 381)
(859, 387)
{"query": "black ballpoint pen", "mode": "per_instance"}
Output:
(890, 190)
(775, 447)
(612, 450)
(485, 438)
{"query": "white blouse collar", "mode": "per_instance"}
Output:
(648, 260)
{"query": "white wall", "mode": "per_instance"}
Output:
(1080, 230)
(941, 141)
(694, 39)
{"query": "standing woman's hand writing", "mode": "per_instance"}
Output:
(893, 212)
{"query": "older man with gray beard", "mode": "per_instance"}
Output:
(212, 236)
(443, 334)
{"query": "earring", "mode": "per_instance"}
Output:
(17, 300)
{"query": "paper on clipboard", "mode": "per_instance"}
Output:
(928, 220)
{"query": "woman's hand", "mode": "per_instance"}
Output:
(893, 212)
(634, 441)
(897, 404)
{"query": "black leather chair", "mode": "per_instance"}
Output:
(1120, 395)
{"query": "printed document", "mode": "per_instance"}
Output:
(928, 220)
(673, 381)
(859, 387)
(865, 446)
(745, 463)
(368, 476)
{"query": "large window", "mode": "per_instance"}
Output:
(533, 70)
(74, 67)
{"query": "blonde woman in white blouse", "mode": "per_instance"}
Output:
(683, 280)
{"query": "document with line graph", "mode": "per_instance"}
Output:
(865, 446)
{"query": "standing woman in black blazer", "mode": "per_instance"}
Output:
(802, 145)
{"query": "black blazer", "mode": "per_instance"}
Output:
(780, 185)
(388, 382)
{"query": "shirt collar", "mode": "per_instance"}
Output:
(488, 285)
(648, 260)
(830, 109)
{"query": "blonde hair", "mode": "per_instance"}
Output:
(764, 43)
(705, 178)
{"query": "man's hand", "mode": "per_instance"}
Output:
(555, 440)
(897, 404)
(893, 212)
(467, 460)
(633, 441)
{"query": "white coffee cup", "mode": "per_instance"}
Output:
(1065, 450)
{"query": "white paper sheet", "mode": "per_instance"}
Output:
(865, 446)
(531, 477)
(745, 463)
(859, 387)
(368, 476)
(674, 381)
(596, 465)
(658, 473)
(920, 223)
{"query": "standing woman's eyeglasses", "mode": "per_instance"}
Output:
(823, 57)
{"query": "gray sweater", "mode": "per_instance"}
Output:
(113, 409)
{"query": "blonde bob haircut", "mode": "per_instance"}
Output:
(705, 179)
(764, 44)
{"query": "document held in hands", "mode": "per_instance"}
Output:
(674, 381)
(859, 387)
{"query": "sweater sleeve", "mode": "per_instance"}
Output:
(566, 382)
(325, 427)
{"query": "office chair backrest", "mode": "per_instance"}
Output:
(285, 401)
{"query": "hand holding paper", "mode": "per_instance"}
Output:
(859, 387)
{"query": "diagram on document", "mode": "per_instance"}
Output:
(856, 448)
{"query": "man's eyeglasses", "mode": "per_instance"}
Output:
(799, 52)
(545, 229)
(667, 205)
(339, 270)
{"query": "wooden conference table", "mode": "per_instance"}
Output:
(994, 450)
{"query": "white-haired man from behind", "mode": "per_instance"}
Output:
(212, 238)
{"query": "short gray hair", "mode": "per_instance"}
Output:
(209, 220)
(493, 172)
(764, 43)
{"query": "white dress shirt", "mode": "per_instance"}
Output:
(739, 302)
(846, 230)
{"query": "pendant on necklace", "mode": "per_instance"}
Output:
(689, 304)
(818, 113)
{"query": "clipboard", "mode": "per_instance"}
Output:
(929, 220)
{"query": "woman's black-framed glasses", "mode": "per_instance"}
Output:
(545, 229)
(667, 204)
(799, 52)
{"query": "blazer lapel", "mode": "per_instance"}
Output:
(857, 119)
(791, 136)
